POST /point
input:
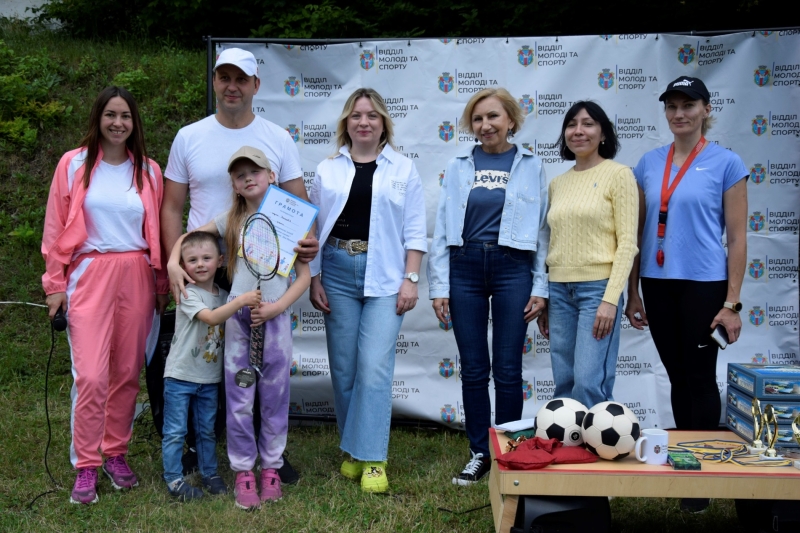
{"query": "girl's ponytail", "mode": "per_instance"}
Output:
(233, 231)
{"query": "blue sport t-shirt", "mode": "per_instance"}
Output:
(488, 194)
(695, 223)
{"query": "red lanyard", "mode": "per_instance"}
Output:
(667, 190)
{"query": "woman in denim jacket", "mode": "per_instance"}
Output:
(490, 242)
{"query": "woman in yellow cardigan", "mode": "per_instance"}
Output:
(593, 218)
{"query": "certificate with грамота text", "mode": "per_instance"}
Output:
(292, 218)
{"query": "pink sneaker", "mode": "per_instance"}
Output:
(270, 485)
(120, 474)
(85, 489)
(245, 491)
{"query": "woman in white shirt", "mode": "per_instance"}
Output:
(372, 227)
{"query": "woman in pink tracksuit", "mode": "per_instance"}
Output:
(103, 261)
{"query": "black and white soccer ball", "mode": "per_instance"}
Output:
(610, 430)
(561, 419)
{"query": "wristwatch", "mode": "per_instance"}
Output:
(733, 306)
(412, 276)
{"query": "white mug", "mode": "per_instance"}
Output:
(651, 447)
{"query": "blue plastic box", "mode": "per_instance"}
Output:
(744, 428)
(766, 382)
(740, 401)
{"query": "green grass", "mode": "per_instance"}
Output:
(169, 85)
(422, 461)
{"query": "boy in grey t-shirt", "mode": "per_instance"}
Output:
(194, 365)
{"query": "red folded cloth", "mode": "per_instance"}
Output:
(539, 443)
(571, 455)
(526, 459)
(536, 453)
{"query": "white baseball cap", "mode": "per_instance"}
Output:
(239, 58)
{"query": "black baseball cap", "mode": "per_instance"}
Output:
(691, 87)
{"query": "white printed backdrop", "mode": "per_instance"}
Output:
(754, 79)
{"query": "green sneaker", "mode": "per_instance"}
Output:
(373, 478)
(352, 469)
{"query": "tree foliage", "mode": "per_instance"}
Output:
(187, 20)
(48, 82)
(26, 106)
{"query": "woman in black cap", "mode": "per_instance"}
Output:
(689, 284)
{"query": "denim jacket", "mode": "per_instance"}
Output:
(523, 223)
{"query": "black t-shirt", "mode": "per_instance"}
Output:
(353, 223)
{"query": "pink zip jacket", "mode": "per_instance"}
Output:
(65, 226)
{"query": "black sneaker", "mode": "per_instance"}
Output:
(215, 485)
(189, 462)
(476, 468)
(287, 473)
(183, 491)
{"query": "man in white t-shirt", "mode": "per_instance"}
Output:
(198, 160)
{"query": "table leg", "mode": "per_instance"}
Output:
(504, 506)
(509, 513)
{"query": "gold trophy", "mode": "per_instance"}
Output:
(796, 434)
(757, 447)
(796, 429)
(772, 433)
(793, 453)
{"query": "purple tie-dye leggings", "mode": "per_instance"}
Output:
(273, 391)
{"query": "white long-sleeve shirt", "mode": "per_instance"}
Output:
(397, 219)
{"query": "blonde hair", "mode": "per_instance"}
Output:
(343, 138)
(233, 228)
(708, 123)
(509, 104)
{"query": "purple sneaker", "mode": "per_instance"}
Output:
(85, 489)
(120, 473)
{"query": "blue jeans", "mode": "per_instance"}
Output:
(362, 334)
(584, 368)
(179, 397)
(480, 272)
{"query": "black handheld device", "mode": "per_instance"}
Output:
(60, 320)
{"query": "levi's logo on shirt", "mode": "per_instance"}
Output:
(490, 179)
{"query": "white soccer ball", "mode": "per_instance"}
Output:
(610, 430)
(561, 419)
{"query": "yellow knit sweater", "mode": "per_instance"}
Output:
(593, 218)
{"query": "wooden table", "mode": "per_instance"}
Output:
(631, 478)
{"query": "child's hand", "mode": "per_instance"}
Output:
(249, 299)
(265, 311)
